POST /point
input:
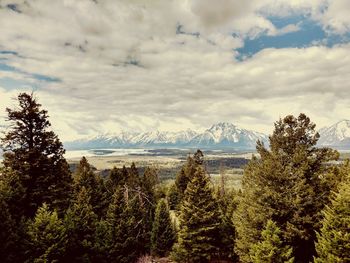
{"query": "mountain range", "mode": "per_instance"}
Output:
(220, 135)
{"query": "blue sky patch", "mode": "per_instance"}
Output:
(310, 33)
(10, 83)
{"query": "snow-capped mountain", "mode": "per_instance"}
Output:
(227, 134)
(219, 135)
(337, 135)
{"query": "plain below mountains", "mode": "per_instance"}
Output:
(219, 136)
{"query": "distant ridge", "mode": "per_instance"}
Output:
(220, 135)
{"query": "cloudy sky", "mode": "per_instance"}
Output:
(110, 65)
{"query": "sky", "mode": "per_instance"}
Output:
(105, 66)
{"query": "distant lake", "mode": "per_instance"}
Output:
(103, 152)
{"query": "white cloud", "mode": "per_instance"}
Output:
(121, 64)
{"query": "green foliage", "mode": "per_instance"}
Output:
(333, 240)
(36, 154)
(173, 197)
(198, 238)
(8, 237)
(289, 184)
(184, 176)
(125, 218)
(94, 185)
(163, 235)
(12, 223)
(227, 202)
(47, 237)
(271, 248)
(80, 222)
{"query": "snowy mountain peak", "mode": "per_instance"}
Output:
(337, 135)
(223, 126)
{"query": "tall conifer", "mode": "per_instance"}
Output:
(288, 184)
(163, 235)
(34, 151)
(333, 240)
(47, 237)
(199, 235)
(80, 222)
(271, 248)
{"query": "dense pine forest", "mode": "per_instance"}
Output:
(294, 205)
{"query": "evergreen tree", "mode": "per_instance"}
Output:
(133, 176)
(227, 202)
(271, 248)
(333, 240)
(163, 235)
(125, 220)
(148, 185)
(102, 241)
(198, 238)
(94, 185)
(184, 176)
(8, 237)
(289, 184)
(114, 180)
(12, 223)
(36, 154)
(47, 237)
(173, 197)
(80, 222)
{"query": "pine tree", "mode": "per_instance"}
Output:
(94, 185)
(149, 181)
(133, 176)
(114, 180)
(125, 220)
(47, 237)
(36, 154)
(271, 248)
(80, 222)
(183, 177)
(173, 197)
(288, 184)
(227, 202)
(8, 237)
(198, 238)
(163, 235)
(333, 240)
(12, 223)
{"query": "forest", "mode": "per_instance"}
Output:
(294, 204)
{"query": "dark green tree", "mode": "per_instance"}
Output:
(125, 220)
(163, 235)
(290, 184)
(173, 197)
(333, 240)
(149, 182)
(80, 223)
(8, 235)
(271, 248)
(227, 202)
(200, 218)
(133, 176)
(36, 154)
(114, 180)
(184, 176)
(12, 222)
(47, 237)
(94, 185)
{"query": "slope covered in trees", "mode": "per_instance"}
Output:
(293, 206)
